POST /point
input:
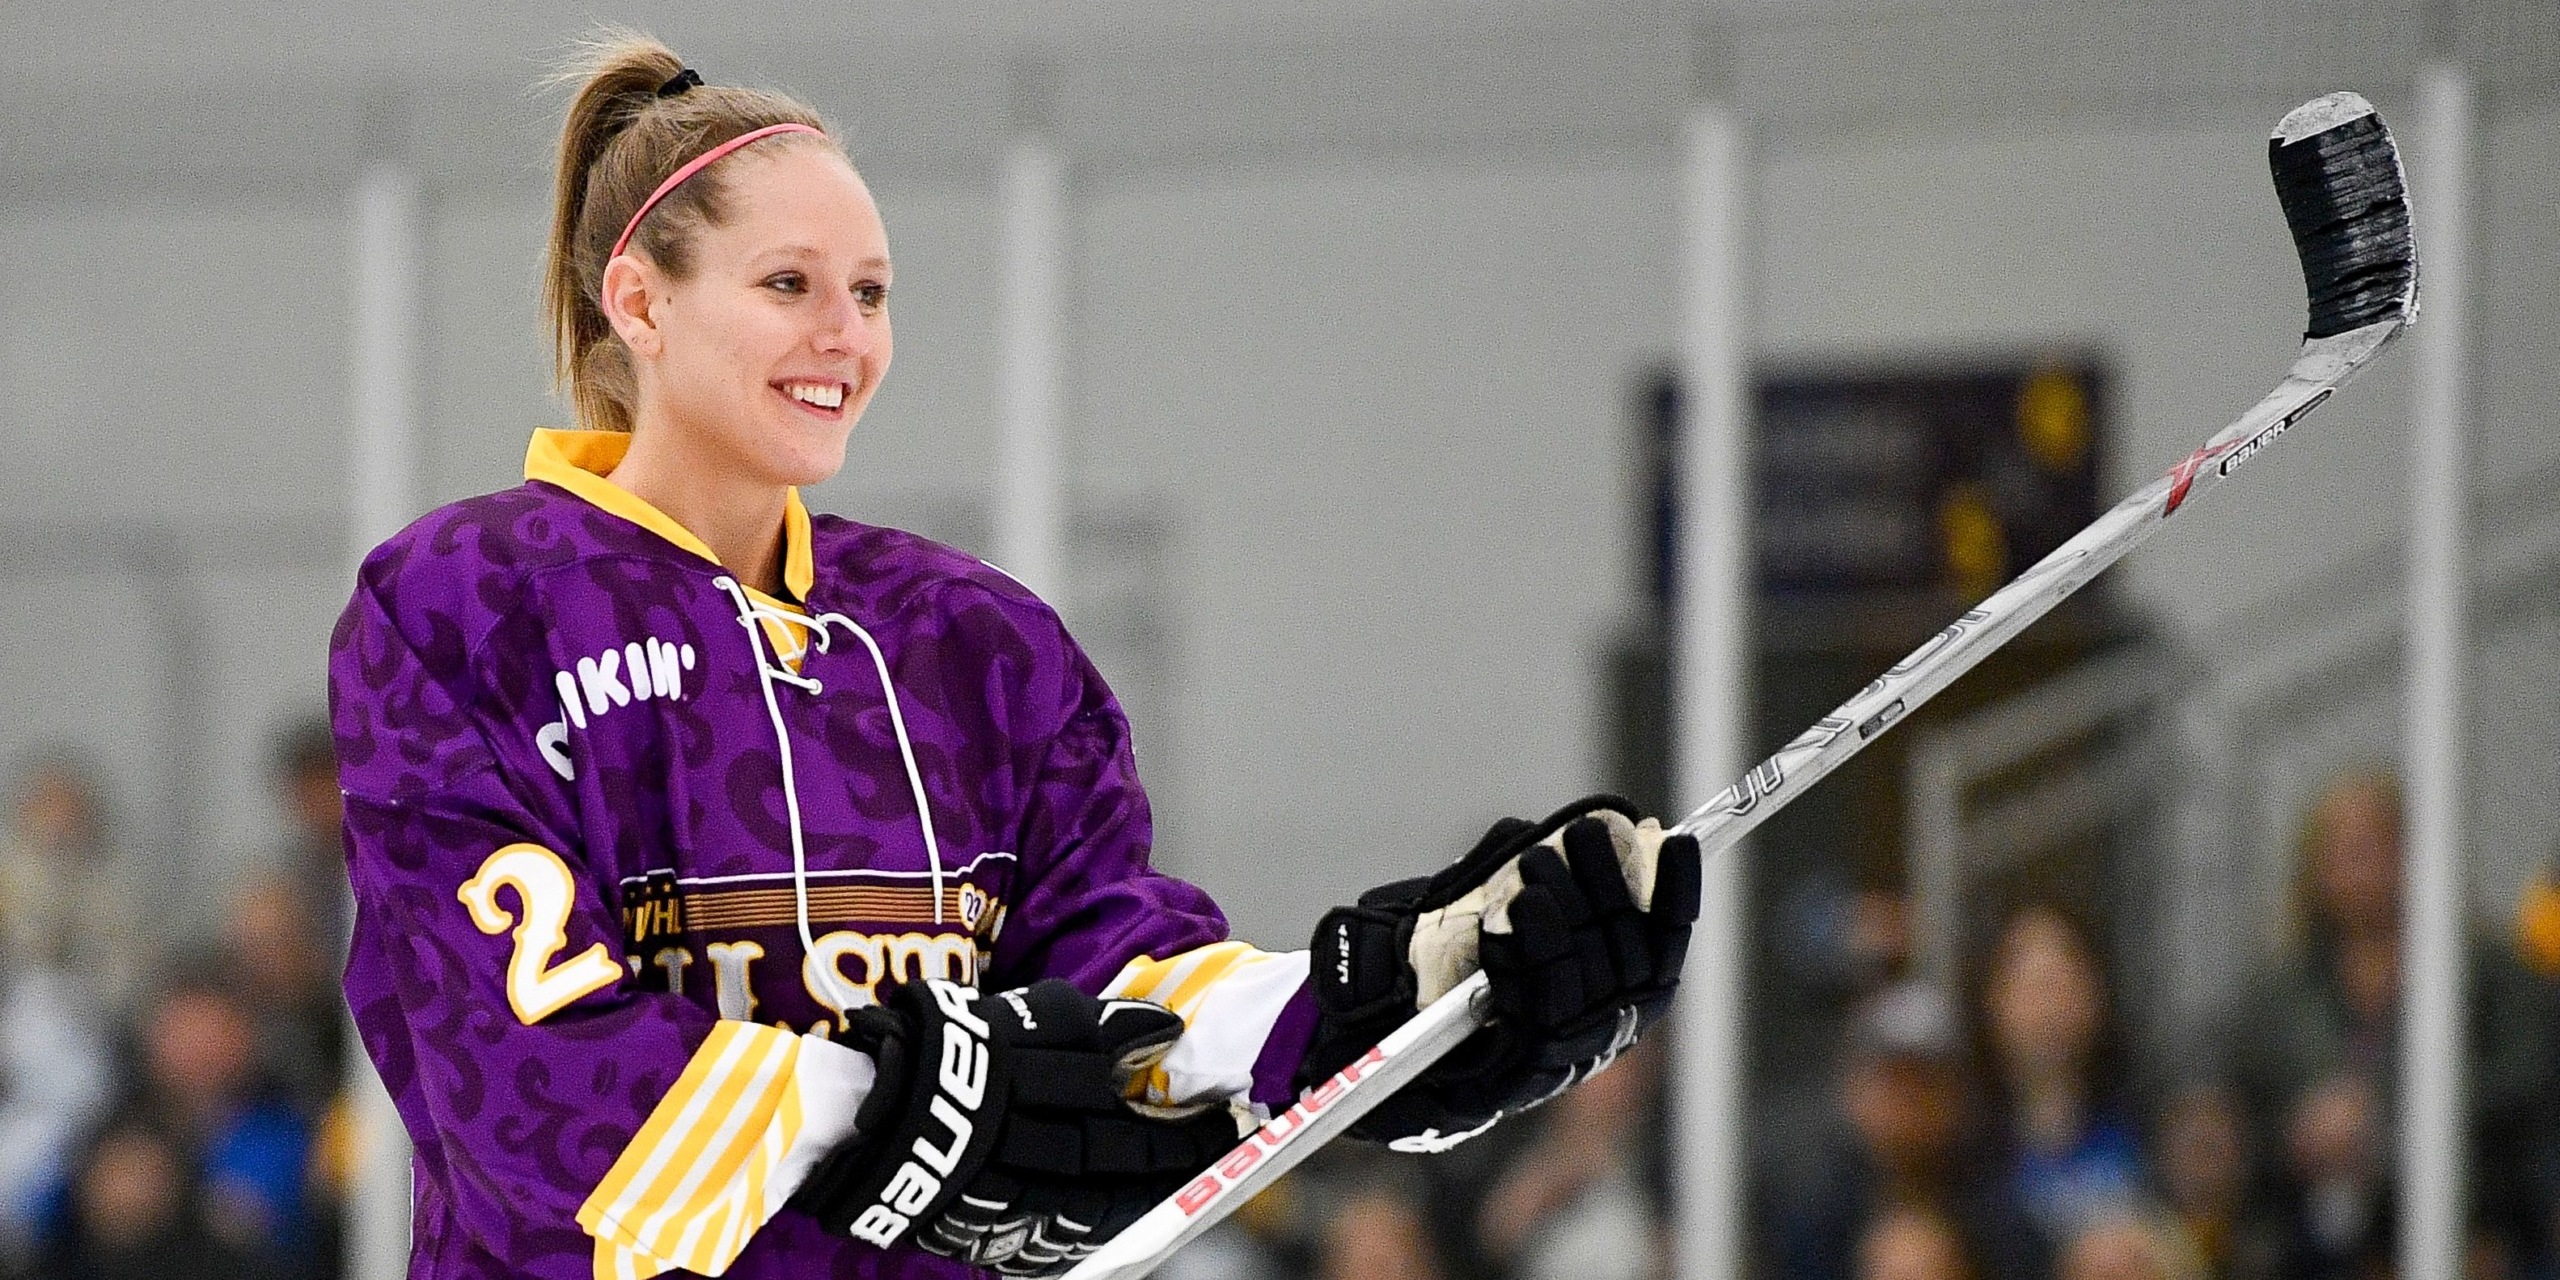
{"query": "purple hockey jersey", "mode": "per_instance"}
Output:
(620, 864)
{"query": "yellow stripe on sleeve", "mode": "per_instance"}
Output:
(709, 1081)
(713, 1154)
(1134, 977)
(691, 1187)
(1162, 981)
(1227, 994)
(618, 1262)
(1185, 999)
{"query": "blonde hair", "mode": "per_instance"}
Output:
(622, 139)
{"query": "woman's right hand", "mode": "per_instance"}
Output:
(998, 1132)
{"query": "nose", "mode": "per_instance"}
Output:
(845, 330)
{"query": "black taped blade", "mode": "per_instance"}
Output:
(2347, 202)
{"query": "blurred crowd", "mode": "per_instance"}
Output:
(172, 1106)
(2015, 1133)
(2009, 1131)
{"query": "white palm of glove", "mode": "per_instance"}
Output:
(1444, 951)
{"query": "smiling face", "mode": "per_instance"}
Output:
(764, 354)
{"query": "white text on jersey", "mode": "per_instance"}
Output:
(618, 677)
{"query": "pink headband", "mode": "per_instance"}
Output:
(697, 165)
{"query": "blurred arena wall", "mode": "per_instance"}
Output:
(1359, 298)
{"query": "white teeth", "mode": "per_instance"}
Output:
(825, 395)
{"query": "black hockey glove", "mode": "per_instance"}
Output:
(1581, 923)
(998, 1133)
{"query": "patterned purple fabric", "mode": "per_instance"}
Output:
(526, 668)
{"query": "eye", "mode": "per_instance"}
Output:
(787, 282)
(871, 296)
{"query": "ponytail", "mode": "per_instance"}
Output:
(632, 123)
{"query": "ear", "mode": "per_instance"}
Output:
(630, 286)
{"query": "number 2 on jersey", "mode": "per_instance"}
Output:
(536, 988)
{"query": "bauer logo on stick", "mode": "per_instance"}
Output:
(1204, 1190)
(2339, 180)
(2232, 460)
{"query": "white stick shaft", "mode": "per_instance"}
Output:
(1320, 1116)
(2325, 364)
(1330, 1108)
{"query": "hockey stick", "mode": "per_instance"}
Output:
(2339, 180)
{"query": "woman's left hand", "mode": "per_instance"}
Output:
(1581, 922)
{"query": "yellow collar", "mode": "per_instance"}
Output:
(578, 460)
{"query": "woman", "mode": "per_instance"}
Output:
(2072, 1153)
(687, 828)
(2318, 1044)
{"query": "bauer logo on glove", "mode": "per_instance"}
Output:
(999, 1131)
(960, 1090)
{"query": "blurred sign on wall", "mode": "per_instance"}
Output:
(1953, 478)
(1889, 497)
